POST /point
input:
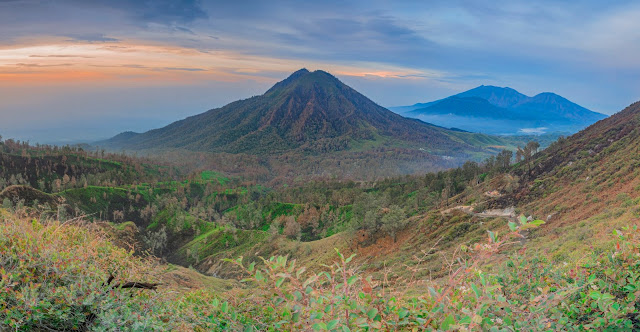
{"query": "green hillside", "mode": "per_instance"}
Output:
(550, 239)
(312, 113)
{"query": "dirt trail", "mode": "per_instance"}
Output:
(509, 212)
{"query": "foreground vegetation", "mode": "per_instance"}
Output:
(55, 276)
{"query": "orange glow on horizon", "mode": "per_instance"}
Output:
(46, 64)
(50, 77)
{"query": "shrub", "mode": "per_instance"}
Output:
(526, 293)
(286, 297)
(292, 228)
(53, 277)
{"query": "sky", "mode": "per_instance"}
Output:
(84, 70)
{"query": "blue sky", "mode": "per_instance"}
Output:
(84, 70)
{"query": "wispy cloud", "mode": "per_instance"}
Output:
(172, 58)
(93, 37)
(167, 11)
(39, 65)
(60, 56)
(184, 69)
(398, 52)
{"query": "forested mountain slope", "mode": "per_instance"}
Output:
(311, 112)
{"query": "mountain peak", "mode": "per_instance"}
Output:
(498, 96)
(321, 72)
(548, 95)
(295, 76)
(305, 72)
(491, 88)
(305, 79)
(299, 73)
(504, 107)
(307, 111)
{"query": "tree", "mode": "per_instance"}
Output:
(393, 221)
(370, 222)
(292, 228)
(273, 231)
(118, 216)
(529, 151)
(248, 216)
(156, 241)
(447, 189)
(533, 147)
(519, 154)
(503, 160)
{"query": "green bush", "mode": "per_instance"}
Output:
(53, 277)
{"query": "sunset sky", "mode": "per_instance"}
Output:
(82, 70)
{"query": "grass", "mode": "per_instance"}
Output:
(213, 175)
(208, 249)
(584, 202)
(53, 276)
(277, 209)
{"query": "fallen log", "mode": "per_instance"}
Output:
(131, 284)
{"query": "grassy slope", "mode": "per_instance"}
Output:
(593, 192)
(584, 187)
(53, 277)
(60, 285)
(588, 185)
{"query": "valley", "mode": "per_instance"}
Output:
(335, 166)
(397, 230)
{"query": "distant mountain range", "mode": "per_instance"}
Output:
(310, 113)
(496, 110)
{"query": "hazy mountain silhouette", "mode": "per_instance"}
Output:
(504, 110)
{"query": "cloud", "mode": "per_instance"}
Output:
(39, 65)
(169, 11)
(166, 12)
(183, 29)
(533, 131)
(183, 69)
(150, 68)
(60, 56)
(133, 66)
(93, 37)
(587, 51)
